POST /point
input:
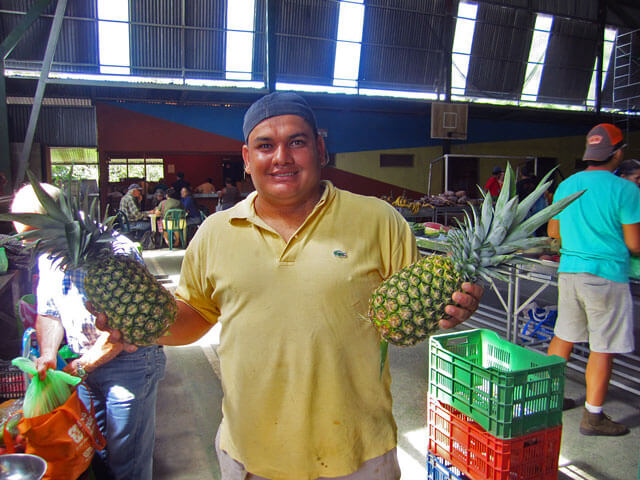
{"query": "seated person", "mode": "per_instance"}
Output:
(206, 187)
(170, 202)
(160, 186)
(190, 205)
(158, 196)
(130, 205)
(228, 196)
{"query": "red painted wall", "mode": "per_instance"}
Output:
(363, 185)
(122, 130)
(196, 167)
(196, 153)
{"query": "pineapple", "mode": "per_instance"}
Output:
(406, 307)
(119, 286)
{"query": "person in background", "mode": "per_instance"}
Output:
(324, 408)
(144, 187)
(171, 201)
(122, 385)
(158, 197)
(525, 186)
(494, 183)
(597, 233)
(629, 170)
(160, 186)
(193, 211)
(189, 204)
(180, 182)
(130, 205)
(228, 196)
(206, 187)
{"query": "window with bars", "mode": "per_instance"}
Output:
(149, 169)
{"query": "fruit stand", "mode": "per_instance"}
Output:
(434, 214)
(505, 306)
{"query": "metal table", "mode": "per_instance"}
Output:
(434, 214)
(505, 305)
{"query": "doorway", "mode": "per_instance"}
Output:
(233, 168)
(463, 175)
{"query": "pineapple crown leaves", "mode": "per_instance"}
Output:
(501, 230)
(64, 231)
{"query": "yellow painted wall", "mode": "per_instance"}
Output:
(566, 149)
(367, 164)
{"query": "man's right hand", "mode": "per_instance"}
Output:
(44, 362)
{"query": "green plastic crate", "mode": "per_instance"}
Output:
(509, 390)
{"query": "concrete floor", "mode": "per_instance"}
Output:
(189, 401)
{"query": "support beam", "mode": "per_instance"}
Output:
(10, 42)
(5, 149)
(42, 82)
(6, 47)
(602, 18)
(270, 43)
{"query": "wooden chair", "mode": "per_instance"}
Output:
(175, 220)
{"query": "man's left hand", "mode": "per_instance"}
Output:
(467, 302)
(114, 336)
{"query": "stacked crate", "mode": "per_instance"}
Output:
(494, 410)
(11, 382)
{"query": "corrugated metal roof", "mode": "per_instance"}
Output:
(404, 43)
(57, 126)
(305, 40)
(569, 62)
(500, 47)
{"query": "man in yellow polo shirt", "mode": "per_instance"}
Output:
(288, 273)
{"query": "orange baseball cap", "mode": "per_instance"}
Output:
(602, 141)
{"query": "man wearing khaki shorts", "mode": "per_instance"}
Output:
(598, 232)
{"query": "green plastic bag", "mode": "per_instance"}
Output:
(634, 267)
(44, 396)
(4, 261)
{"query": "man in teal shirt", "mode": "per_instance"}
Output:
(598, 231)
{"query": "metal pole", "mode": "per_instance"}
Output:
(602, 14)
(5, 147)
(42, 82)
(446, 173)
(270, 44)
(6, 47)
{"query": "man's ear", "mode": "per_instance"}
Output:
(322, 150)
(245, 158)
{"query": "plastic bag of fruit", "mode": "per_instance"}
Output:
(43, 396)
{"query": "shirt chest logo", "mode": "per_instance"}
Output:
(339, 254)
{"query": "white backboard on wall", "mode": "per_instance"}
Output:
(449, 120)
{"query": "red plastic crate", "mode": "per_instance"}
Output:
(463, 442)
(11, 381)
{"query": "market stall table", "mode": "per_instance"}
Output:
(536, 280)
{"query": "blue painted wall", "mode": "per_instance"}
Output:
(353, 131)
